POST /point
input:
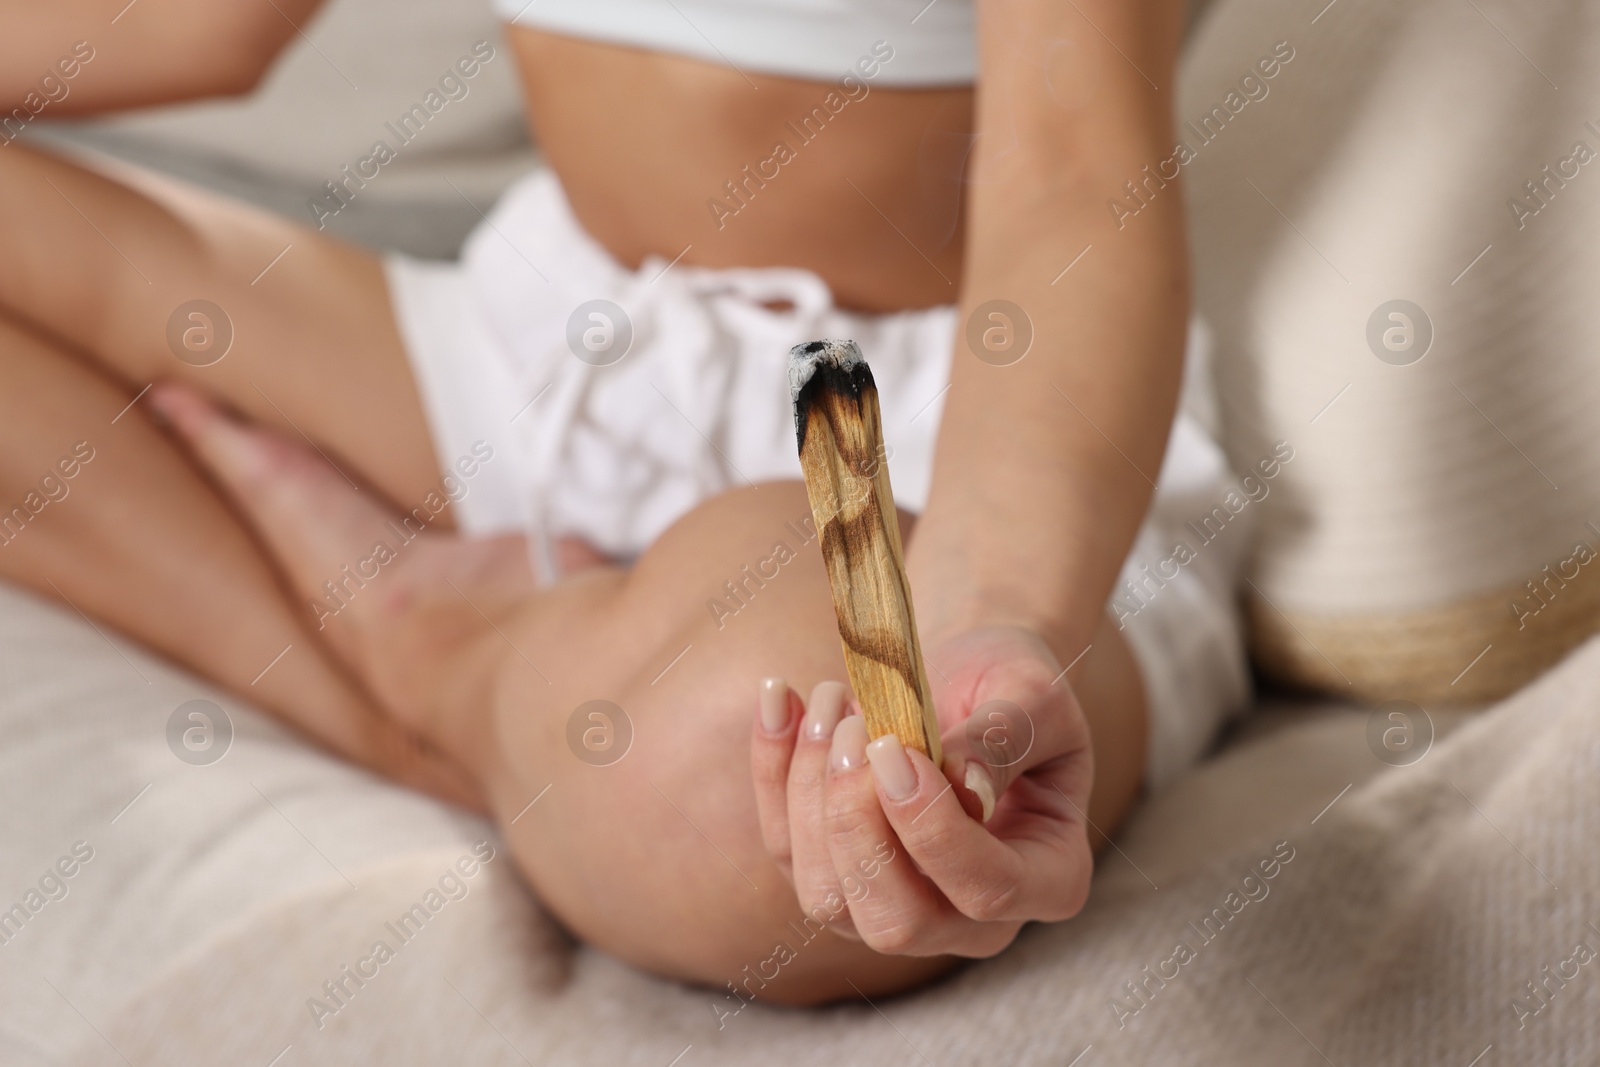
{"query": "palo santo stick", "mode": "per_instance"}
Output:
(840, 432)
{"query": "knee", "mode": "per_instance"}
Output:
(657, 857)
(662, 863)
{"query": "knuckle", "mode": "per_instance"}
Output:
(824, 909)
(845, 811)
(897, 939)
(769, 768)
(934, 840)
(991, 903)
(806, 778)
(1072, 901)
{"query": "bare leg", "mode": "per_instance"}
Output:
(141, 542)
(658, 856)
(101, 262)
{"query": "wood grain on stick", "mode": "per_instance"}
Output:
(840, 433)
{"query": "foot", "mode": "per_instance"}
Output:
(409, 609)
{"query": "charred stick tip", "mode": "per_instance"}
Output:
(822, 365)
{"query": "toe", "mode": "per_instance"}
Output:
(315, 521)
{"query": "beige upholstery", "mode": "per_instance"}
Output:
(1413, 907)
(1419, 905)
(1411, 150)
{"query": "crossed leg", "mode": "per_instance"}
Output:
(91, 269)
(138, 540)
(100, 261)
(659, 857)
(656, 857)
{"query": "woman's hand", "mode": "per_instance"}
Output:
(882, 845)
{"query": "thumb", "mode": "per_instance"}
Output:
(988, 751)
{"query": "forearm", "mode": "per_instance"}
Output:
(77, 57)
(1044, 466)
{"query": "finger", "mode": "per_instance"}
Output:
(1003, 740)
(772, 740)
(813, 875)
(1040, 870)
(894, 908)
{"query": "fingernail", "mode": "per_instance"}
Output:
(892, 767)
(849, 745)
(233, 448)
(164, 407)
(825, 710)
(169, 398)
(774, 705)
(979, 782)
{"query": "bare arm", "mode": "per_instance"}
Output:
(1043, 472)
(1045, 466)
(79, 57)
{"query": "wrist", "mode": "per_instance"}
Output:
(1039, 553)
(951, 598)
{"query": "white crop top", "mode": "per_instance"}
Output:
(925, 43)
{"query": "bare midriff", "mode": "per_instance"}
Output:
(671, 156)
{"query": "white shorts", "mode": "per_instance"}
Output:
(616, 400)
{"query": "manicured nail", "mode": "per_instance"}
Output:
(774, 705)
(979, 782)
(225, 444)
(165, 407)
(156, 401)
(849, 745)
(892, 767)
(825, 710)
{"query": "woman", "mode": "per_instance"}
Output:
(674, 218)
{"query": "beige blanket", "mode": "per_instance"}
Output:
(1258, 912)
